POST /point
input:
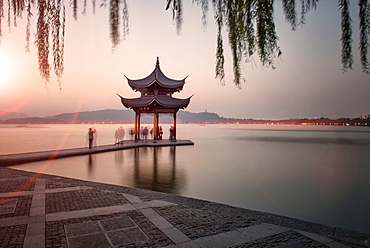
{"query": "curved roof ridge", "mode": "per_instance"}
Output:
(165, 101)
(156, 76)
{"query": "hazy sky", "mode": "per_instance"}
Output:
(308, 81)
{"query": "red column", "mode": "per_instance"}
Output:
(155, 125)
(174, 126)
(138, 126)
(135, 126)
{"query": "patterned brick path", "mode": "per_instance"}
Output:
(48, 211)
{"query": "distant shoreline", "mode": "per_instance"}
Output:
(257, 122)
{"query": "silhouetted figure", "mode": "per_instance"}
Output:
(141, 132)
(160, 133)
(172, 133)
(145, 133)
(132, 133)
(90, 136)
(119, 134)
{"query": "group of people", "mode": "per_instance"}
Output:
(120, 134)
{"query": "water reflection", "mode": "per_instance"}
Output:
(91, 163)
(155, 169)
(118, 156)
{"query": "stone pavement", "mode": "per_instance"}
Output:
(38, 210)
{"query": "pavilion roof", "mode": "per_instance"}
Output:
(157, 76)
(164, 101)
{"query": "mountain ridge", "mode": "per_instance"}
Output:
(112, 116)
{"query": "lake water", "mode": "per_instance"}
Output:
(314, 173)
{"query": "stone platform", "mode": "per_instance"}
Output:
(20, 158)
(38, 210)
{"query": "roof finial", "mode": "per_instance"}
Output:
(157, 63)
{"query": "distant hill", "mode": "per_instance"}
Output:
(5, 115)
(32, 120)
(127, 116)
(108, 115)
(113, 115)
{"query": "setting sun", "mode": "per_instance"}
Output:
(5, 70)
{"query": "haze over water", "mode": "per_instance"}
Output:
(315, 173)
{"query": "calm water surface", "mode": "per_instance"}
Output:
(315, 173)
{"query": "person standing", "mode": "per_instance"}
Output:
(90, 136)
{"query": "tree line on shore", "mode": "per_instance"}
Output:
(127, 116)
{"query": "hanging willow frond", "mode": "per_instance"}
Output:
(42, 39)
(84, 8)
(9, 8)
(205, 9)
(290, 14)
(114, 22)
(220, 60)
(125, 15)
(235, 40)
(94, 6)
(176, 7)
(347, 57)
(306, 5)
(18, 7)
(57, 14)
(1, 17)
(250, 32)
(28, 26)
(364, 16)
(266, 35)
(73, 3)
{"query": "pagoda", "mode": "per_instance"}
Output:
(156, 98)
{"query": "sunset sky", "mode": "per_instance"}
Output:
(308, 80)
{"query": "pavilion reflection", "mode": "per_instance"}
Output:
(156, 170)
(118, 156)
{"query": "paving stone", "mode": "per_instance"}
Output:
(210, 242)
(92, 241)
(69, 215)
(196, 223)
(34, 241)
(39, 184)
(159, 203)
(83, 228)
(12, 236)
(113, 209)
(188, 244)
(175, 235)
(316, 237)
(335, 244)
(34, 229)
(293, 244)
(82, 199)
(298, 224)
(232, 238)
(21, 208)
(286, 238)
(117, 223)
(37, 211)
(132, 198)
(127, 236)
(351, 236)
(262, 230)
(7, 206)
(16, 185)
